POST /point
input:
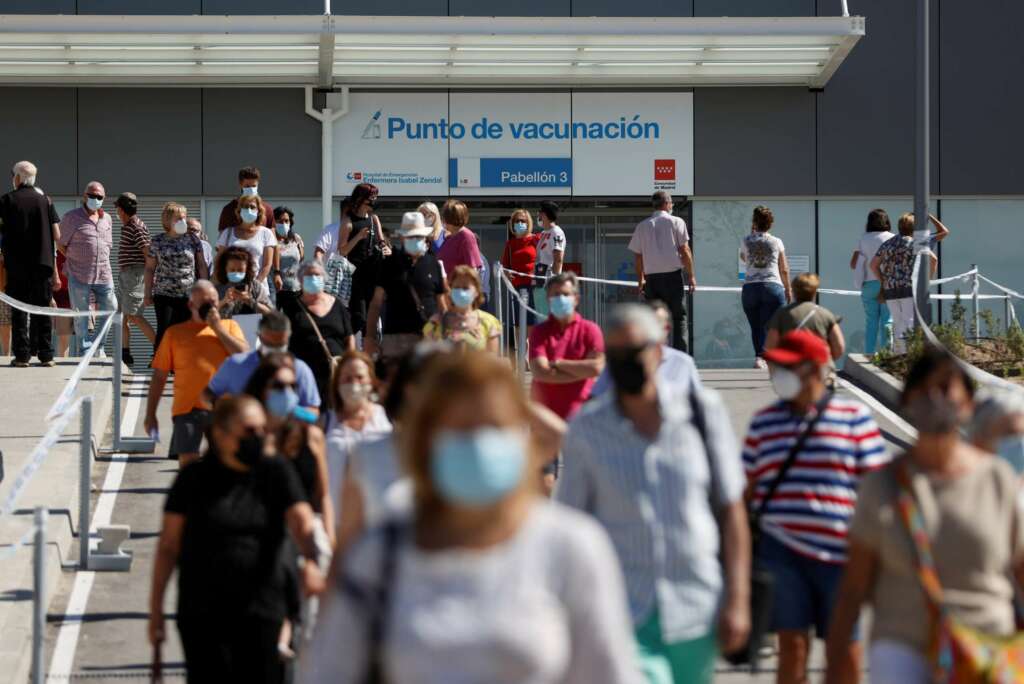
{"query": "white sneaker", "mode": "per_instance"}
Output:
(760, 363)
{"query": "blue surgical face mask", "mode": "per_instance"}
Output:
(479, 467)
(562, 306)
(282, 402)
(415, 246)
(93, 203)
(462, 297)
(519, 228)
(250, 191)
(235, 277)
(1011, 448)
(249, 215)
(313, 284)
(282, 229)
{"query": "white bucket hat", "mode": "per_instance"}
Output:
(413, 225)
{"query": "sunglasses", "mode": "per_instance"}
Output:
(92, 195)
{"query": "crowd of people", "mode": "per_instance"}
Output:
(368, 493)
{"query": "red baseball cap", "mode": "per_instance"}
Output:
(799, 346)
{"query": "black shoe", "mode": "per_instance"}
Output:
(19, 363)
(126, 356)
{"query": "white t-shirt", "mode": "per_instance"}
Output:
(761, 252)
(868, 248)
(328, 240)
(255, 245)
(385, 487)
(551, 241)
(342, 441)
(547, 605)
(658, 239)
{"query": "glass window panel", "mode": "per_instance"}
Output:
(720, 329)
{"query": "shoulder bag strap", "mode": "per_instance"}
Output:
(319, 336)
(700, 422)
(808, 317)
(910, 513)
(379, 618)
(415, 295)
(790, 459)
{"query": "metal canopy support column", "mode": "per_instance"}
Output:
(327, 117)
(922, 162)
(325, 70)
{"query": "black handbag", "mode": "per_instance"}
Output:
(762, 582)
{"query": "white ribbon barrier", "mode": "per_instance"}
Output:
(515, 293)
(71, 385)
(48, 311)
(29, 470)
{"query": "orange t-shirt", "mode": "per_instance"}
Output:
(194, 353)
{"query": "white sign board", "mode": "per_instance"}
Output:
(516, 143)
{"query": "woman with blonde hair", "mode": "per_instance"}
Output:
(464, 324)
(520, 255)
(174, 260)
(492, 583)
(432, 217)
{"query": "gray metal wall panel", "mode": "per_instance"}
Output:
(753, 141)
(981, 99)
(866, 112)
(264, 7)
(275, 135)
(503, 8)
(754, 8)
(37, 6)
(139, 7)
(146, 140)
(412, 8)
(636, 8)
(41, 129)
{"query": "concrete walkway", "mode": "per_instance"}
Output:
(112, 643)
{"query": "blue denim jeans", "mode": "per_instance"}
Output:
(79, 293)
(760, 302)
(878, 322)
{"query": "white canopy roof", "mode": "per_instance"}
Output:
(422, 51)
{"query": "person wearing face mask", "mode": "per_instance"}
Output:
(30, 228)
(968, 511)
(274, 331)
(566, 350)
(235, 277)
(485, 580)
(411, 284)
(520, 255)
(321, 327)
(131, 262)
(248, 186)
(86, 238)
(289, 255)
(225, 523)
(354, 417)
(464, 324)
(997, 426)
(432, 219)
(193, 351)
(359, 238)
(621, 452)
(253, 236)
(174, 262)
(195, 227)
(302, 445)
(805, 456)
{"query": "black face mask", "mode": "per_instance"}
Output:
(627, 369)
(204, 310)
(250, 449)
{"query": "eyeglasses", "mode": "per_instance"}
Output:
(93, 195)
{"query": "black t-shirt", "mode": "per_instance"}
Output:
(336, 328)
(234, 530)
(398, 277)
(26, 223)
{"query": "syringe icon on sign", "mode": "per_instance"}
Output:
(372, 130)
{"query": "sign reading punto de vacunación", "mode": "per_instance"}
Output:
(516, 143)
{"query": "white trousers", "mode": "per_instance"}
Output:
(902, 311)
(893, 662)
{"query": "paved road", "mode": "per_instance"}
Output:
(112, 640)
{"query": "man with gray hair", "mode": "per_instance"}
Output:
(998, 426)
(86, 238)
(274, 331)
(29, 227)
(661, 244)
(660, 469)
(193, 351)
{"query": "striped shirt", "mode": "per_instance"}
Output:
(655, 499)
(134, 238)
(811, 510)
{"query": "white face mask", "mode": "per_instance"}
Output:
(428, 220)
(180, 227)
(786, 383)
(250, 191)
(354, 392)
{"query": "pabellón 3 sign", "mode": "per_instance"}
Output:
(515, 143)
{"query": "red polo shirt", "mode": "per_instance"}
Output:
(575, 342)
